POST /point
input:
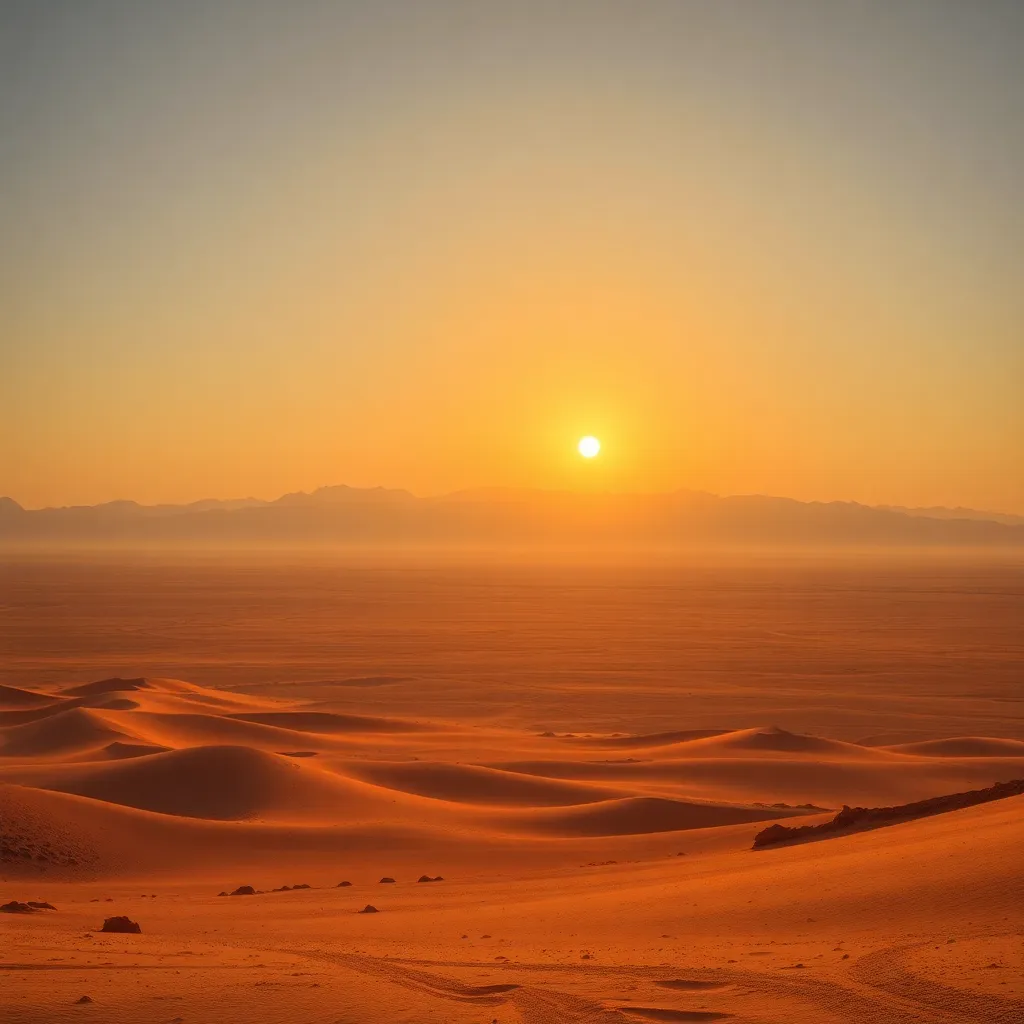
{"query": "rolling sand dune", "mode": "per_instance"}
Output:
(328, 722)
(13, 697)
(60, 734)
(964, 746)
(475, 785)
(635, 815)
(770, 742)
(227, 783)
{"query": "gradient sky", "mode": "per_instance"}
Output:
(251, 247)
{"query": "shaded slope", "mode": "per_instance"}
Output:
(12, 697)
(61, 734)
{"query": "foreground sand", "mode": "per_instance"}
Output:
(592, 877)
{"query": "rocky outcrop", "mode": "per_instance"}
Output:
(14, 907)
(851, 819)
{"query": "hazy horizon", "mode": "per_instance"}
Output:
(496, 492)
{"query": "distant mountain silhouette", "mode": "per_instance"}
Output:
(502, 516)
(938, 512)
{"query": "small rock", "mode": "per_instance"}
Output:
(243, 890)
(368, 909)
(344, 885)
(41, 906)
(384, 880)
(82, 999)
(121, 924)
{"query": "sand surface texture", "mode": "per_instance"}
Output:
(562, 771)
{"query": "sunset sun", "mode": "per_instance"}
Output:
(588, 446)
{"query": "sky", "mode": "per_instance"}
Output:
(773, 246)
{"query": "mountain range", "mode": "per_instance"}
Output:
(500, 516)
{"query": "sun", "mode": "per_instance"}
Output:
(588, 446)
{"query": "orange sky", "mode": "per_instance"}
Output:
(262, 247)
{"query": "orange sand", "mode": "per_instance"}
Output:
(604, 876)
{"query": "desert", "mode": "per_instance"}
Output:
(511, 512)
(521, 793)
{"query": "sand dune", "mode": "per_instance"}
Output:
(963, 746)
(778, 741)
(179, 729)
(560, 858)
(103, 686)
(476, 785)
(636, 815)
(12, 697)
(329, 722)
(227, 783)
(61, 734)
(659, 739)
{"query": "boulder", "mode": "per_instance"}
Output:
(121, 924)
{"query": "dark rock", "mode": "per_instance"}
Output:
(243, 890)
(303, 885)
(121, 924)
(14, 907)
(83, 999)
(344, 885)
(368, 909)
(41, 906)
(427, 878)
(384, 880)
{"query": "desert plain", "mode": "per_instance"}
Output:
(562, 764)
